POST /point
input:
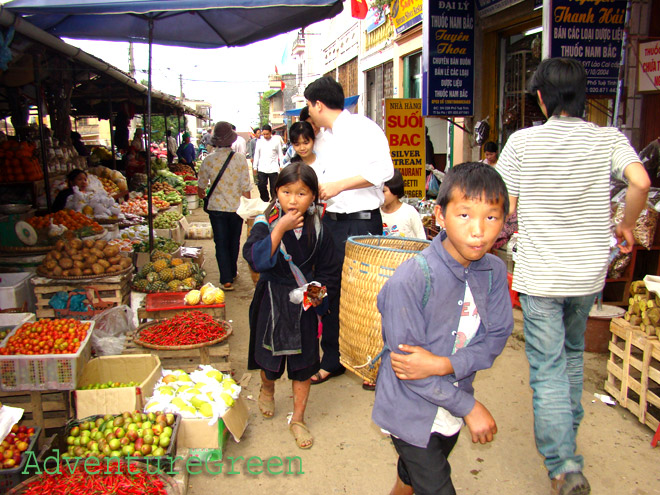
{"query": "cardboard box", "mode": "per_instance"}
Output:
(196, 254)
(210, 442)
(176, 233)
(141, 368)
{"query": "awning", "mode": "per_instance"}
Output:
(349, 102)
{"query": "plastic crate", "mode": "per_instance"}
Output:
(44, 371)
(9, 478)
(15, 290)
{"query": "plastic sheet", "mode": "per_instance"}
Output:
(110, 330)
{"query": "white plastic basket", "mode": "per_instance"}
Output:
(44, 371)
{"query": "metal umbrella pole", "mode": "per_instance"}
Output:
(150, 212)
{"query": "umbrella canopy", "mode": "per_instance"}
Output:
(190, 23)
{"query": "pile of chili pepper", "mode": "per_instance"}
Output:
(130, 481)
(190, 190)
(186, 328)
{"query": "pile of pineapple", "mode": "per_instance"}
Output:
(167, 274)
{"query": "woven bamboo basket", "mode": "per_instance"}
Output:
(369, 262)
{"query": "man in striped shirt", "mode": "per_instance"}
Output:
(558, 176)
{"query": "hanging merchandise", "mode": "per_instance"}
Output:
(482, 131)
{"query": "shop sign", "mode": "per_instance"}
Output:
(406, 135)
(406, 14)
(590, 31)
(374, 19)
(489, 7)
(648, 76)
(448, 57)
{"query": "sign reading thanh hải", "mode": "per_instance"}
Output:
(590, 31)
(448, 57)
(406, 135)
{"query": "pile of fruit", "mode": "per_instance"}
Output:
(62, 336)
(204, 393)
(18, 162)
(165, 274)
(13, 446)
(72, 220)
(75, 258)
(113, 180)
(162, 186)
(109, 384)
(109, 186)
(181, 167)
(139, 205)
(160, 244)
(167, 220)
(207, 294)
(128, 434)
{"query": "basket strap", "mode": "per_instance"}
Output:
(424, 265)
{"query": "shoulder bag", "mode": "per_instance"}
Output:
(215, 183)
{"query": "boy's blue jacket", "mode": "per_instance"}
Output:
(407, 408)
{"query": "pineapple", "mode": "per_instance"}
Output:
(199, 280)
(147, 268)
(152, 277)
(177, 261)
(183, 271)
(166, 275)
(161, 255)
(140, 285)
(189, 283)
(175, 285)
(160, 265)
(160, 286)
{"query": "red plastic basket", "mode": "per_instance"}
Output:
(163, 301)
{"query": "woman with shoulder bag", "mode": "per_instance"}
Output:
(228, 174)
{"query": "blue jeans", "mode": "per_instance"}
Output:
(554, 343)
(227, 227)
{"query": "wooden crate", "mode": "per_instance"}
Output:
(44, 409)
(187, 360)
(115, 290)
(633, 371)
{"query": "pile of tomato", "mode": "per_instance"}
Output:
(62, 336)
(72, 220)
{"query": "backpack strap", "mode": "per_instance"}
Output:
(424, 265)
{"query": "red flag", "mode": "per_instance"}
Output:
(276, 71)
(359, 8)
(283, 85)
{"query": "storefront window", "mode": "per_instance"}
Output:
(412, 76)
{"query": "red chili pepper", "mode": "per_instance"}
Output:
(187, 328)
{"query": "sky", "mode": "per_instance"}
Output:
(228, 78)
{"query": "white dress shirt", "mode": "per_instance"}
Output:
(268, 155)
(356, 145)
(239, 146)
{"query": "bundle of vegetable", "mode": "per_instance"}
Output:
(186, 328)
(167, 220)
(93, 480)
(75, 258)
(62, 336)
(173, 197)
(643, 309)
(169, 177)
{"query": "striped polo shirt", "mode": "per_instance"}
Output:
(560, 173)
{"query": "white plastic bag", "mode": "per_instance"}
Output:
(110, 330)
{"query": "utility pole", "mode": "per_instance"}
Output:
(131, 60)
(181, 85)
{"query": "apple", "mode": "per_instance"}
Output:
(8, 463)
(145, 449)
(14, 429)
(139, 443)
(22, 429)
(120, 433)
(148, 439)
(22, 446)
(157, 429)
(114, 444)
(164, 441)
(128, 450)
(170, 418)
(8, 454)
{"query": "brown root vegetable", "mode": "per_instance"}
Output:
(88, 243)
(59, 245)
(111, 251)
(78, 264)
(57, 255)
(66, 263)
(75, 272)
(114, 260)
(97, 252)
(100, 244)
(76, 244)
(57, 271)
(104, 263)
(88, 271)
(50, 264)
(98, 269)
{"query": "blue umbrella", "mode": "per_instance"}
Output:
(191, 23)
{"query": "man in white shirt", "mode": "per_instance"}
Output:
(357, 164)
(240, 145)
(267, 161)
(171, 146)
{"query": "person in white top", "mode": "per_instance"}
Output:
(357, 163)
(240, 145)
(490, 153)
(399, 219)
(302, 139)
(171, 146)
(267, 161)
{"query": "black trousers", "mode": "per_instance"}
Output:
(426, 470)
(263, 179)
(341, 230)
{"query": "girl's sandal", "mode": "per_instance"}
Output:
(267, 407)
(304, 439)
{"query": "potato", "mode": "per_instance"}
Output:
(91, 259)
(84, 251)
(50, 264)
(65, 273)
(104, 263)
(111, 251)
(57, 255)
(70, 252)
(77, 257)
(66, 263)
(113, 269)
(97, 252)
(88, 243)
(100, 244)
(76, 243)
(125, 262)
(75, 272)
(97, 269)
(88, 271)
(59, 245)
(57, 271)
(114, 260)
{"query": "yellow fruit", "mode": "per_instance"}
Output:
(229, 400)
(165, 390)
(193, 297)
(169, 378)
(206, 410)
(88, 210)
(219, 296)
(205, 288)
(183, 388)
(209, 296)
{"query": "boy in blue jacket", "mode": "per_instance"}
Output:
(444, 316)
